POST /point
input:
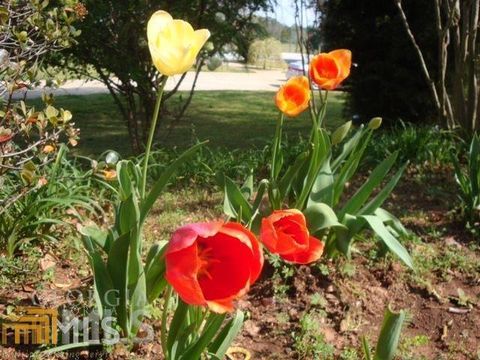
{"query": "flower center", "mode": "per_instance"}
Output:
(205, 262)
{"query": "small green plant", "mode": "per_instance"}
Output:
(468, 181)
(310, 340)
(409, 346)
(349, 354)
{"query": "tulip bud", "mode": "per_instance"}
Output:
(339, 134)
(112, 158)
(375, 123)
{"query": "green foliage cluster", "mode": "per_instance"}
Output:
(65, 193)
(468, 181)
(417, 144)
(113, 42)
(29, 136)
(387, 72)
(265, 53)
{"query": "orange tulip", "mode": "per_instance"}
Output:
(285, 233)
(294, 96)
(328, 70)
(212, 264)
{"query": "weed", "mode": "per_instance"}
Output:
(310, 341)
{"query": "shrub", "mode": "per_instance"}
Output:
(266, 53)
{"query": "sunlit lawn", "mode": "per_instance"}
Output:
(230, 119)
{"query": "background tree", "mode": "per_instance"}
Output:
(265, 53)
(453, 80)
(387, 80)
(113, 41)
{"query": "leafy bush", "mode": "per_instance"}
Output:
(265, 53)
(49, 209)
(28, 31)
(416, 144)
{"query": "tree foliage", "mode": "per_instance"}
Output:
(265, 53)
(113, 41)
(29, 29)
(387, 80)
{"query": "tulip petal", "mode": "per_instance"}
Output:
(212, 264)
(224, 254)
(188, 234)
(250, 240)
(293, 97)
(199, 39)
(156, 24)
(343, 58)
(221, 306)
(328, 70)
(181, 273)
(313, 253)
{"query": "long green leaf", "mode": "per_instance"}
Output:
(389, 335)
(374, 180)
(235, 203)
(212, 326)
(392, 243)
(379, 199)
(155, 272)
(320, 217)
(225, 338)
(177, 324)
(323, 188)
(348, 147)
(164, 179)
(117, 267)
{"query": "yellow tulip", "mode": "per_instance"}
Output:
(173, 44)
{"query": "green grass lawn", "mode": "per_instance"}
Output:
(230, 119)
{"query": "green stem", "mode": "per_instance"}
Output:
(151, 134)
(323, 110)
(163, 333)
(276, 147)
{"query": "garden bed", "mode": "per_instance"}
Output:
(323, 310)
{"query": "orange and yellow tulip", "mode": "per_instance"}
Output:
(293, 97)
(328, 70)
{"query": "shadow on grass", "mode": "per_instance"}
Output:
(230, 119)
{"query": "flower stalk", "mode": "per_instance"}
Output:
(151, 134)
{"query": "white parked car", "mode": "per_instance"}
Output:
(295, 68)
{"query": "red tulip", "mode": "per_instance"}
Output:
(285, 233)
(212, 264)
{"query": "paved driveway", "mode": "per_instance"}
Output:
(255, 80)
